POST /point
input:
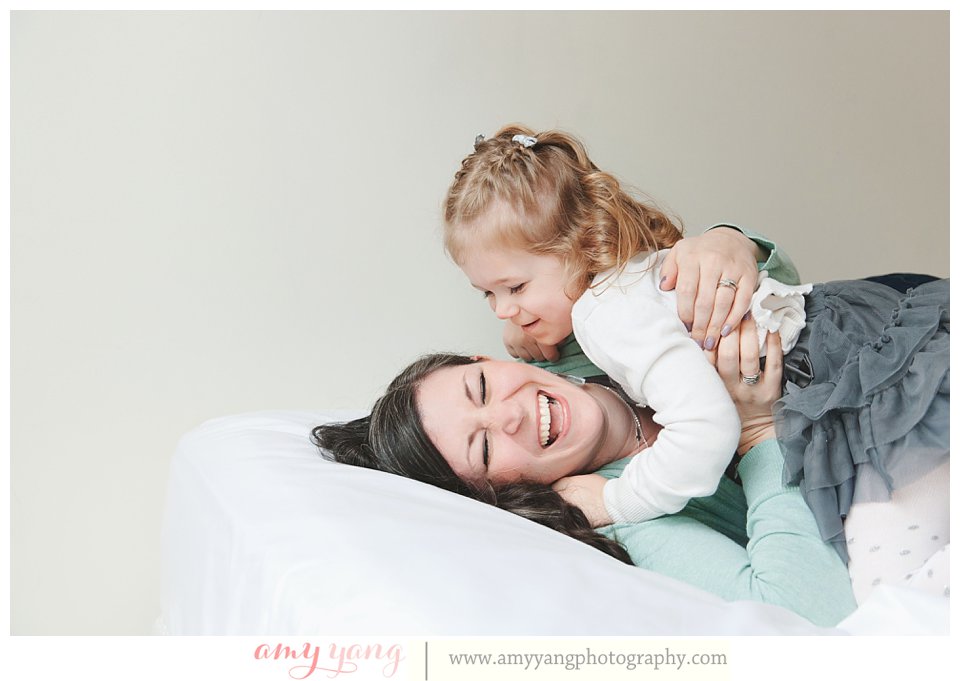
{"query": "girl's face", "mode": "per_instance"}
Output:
(507, 421)
(524, 288)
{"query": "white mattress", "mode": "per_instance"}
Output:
(262, 535)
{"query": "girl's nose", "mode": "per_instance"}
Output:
(505, 309)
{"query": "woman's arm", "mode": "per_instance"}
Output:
(784, 561)
(789, 562)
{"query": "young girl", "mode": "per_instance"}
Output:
(556, 245)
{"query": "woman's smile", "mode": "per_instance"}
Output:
(554, 418)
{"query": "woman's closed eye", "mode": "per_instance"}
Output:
(518, 288)
(483, 400)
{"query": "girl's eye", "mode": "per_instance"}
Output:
(518, 288)
(486, 452)
(485, 294)
(483, 388)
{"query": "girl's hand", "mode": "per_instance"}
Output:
(738, 360)
(586, 493)
(522, 346)
(695, 266)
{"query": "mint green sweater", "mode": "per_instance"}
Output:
(759, 542)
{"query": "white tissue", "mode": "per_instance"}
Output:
(779, 307)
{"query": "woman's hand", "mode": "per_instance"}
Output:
(524, 347)
(695, 266)
(738, 362)
(586, 493)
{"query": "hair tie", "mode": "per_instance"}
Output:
(525, 140)
(476, 141)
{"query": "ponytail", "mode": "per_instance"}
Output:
(551, 199)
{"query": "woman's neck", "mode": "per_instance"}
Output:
(621, 437)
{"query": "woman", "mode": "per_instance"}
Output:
(472, 426)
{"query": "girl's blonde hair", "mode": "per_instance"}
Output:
(549, 199)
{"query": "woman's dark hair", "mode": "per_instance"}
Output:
(392, 439)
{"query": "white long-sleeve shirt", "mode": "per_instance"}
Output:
(629, 328)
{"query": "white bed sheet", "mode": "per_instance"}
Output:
(262, 535)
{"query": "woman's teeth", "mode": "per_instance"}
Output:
(545, 420)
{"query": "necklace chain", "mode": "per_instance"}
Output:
(641, 440)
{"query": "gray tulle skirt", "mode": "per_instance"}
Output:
(866, 402)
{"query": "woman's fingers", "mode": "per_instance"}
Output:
(668, 271)
(713, 301)
(686, 285)
(728, 360)
(749, 353)
(738, 308)
(773, 367)
(753, 391)
(738, 363)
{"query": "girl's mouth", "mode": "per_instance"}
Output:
(551, 419)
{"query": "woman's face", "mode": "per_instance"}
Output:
(507, 421)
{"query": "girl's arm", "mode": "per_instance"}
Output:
(631, 331)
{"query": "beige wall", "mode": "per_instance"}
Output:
(221, 212)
